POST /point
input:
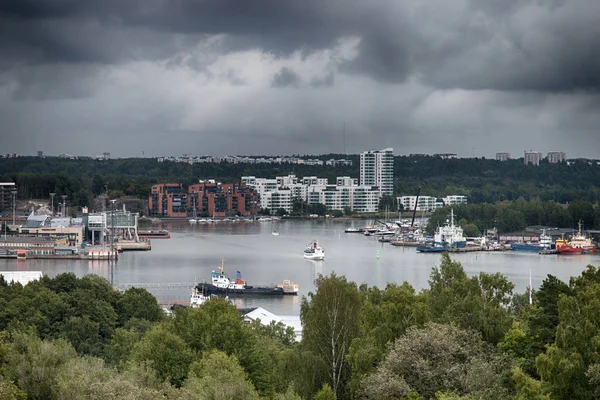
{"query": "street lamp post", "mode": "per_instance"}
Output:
(14, 196)
(52, 202)
(112, 224)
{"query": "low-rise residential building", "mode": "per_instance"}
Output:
(425, 203)
(335, 163)
(446, 156)
(217, 199)
(282, 191)
(167, 200)
(454, 200)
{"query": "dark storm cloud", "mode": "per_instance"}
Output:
(484, 44)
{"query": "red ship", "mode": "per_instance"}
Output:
(579, 244)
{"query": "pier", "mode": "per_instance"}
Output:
(162, 286)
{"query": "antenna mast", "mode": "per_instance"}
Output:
(344, 137)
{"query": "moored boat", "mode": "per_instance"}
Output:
(314, 251)
(159, 234)
(353, 229)
(579, 244)
(450, 234)
(545, 243)
(221, 285)
(432, 247)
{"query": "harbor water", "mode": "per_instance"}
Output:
(193, 251)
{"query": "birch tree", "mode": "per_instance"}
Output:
(330, 319)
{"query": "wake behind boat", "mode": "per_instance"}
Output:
(314, 252)
(221, 285)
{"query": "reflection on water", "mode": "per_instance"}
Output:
(194, 251)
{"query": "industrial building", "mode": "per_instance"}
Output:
(44, 226)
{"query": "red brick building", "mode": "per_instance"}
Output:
(167, 200)
(222, 199)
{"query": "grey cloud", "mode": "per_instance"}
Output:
(484, 44)
(286, 77)
(326, 81)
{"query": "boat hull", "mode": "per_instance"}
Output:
(527, 247)
(210, 289)
(575, 250)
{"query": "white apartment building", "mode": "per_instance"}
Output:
(556, 157)
(313, 180)
(281, 192)
(346, 181)
(454, 200)
(377, 169)
(425, 203)
(358, 198)
(533, 157)
(502, 156)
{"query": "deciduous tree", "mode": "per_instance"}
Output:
(330, 318)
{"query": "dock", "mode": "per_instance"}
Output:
(132, 245)
(466, 249)
(549, 251)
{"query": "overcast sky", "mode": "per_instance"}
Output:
(166, 77)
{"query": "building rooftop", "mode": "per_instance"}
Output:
(22, 277)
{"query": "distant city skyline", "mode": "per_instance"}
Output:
(223, 77)
(492, 155)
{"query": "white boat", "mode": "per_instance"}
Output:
(193, 221)
(197, 298)
(274, 233)
(450, 234)
(314, 252)
(353, 229)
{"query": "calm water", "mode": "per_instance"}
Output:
(193, 252)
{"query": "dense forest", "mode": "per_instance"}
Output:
(462, 338)
(483, 180)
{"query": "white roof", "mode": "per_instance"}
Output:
(266, 317)
(22, 277)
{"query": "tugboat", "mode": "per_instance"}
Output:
(579, 244)
(221, 285)
(433, 247)
(314, 252)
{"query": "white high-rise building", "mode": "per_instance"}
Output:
(377, 169)
(556, 157)
(533, 157)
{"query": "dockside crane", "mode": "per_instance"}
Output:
(412, 223)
